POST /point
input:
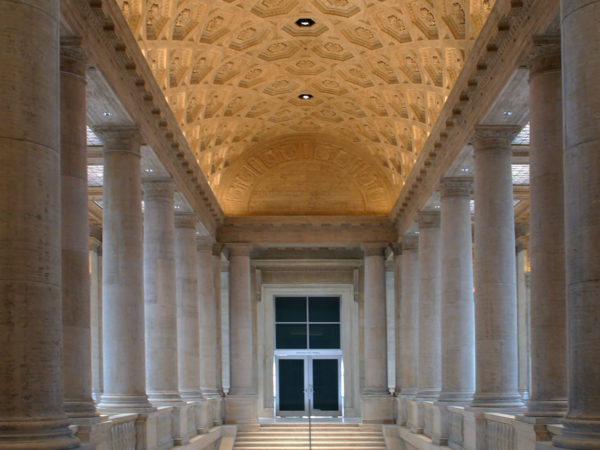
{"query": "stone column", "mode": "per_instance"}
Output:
(162, 383)
(376, 401)
(409, 316)
(522, 315)
(458, 320)
(218, 410)
(186, 289)
(430, 357)
(397, 315)
(240, 405)
(580, 75)
(548, 395)
(495, 271)
(122, 273)
(207, 317)
(96, 315)
(75, 233)
(31, 370)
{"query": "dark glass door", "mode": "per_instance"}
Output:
(291, 386)
(326, 385)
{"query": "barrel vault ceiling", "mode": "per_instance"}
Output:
(378, 71)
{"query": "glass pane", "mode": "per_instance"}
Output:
(290, 336)
(324, 336)
(325, 384)
(290, 309)
(324, 309)
(291, 385)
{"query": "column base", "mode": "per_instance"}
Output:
(550, 409)
(241, 409)
(122, 404)
(454, 398)
(50, 434)
(377, 408)
(503, 403)
(81, 410)
(579, 434)
(427, 394)
(165, 399)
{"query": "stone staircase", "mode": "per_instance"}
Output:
(325, 436)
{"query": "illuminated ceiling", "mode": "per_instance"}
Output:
(379, 72)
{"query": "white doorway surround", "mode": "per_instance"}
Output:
(349, 361)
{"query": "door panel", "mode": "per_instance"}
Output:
(325, 375)
(291, 385)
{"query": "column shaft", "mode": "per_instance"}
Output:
(31, 372)
(495, 271)
(429, 372)
(458, 321)
(122, 273)
(96, 315)
(240, 320)
(409, 316)
(162, 383)
(548, 395)
(581, 72)
(186, 266)
(375, 336)
(397, 314)
(75, 233)
(207, 318)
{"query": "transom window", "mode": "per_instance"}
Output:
(307, 323)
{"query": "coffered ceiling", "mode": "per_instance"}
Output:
(378, 72)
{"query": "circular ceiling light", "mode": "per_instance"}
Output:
(305, 22)
(305, 96)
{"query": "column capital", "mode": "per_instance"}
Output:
(410, 241)
(494, 137)
(185, 220)
(94, 244)
(120, 139)
(456, 187)
(73, 60)
(217, 249)
(397, 248)
(239, 249)
(545, 55)
(374, 248)
(158, 188)
(429, 219)
(205, 243)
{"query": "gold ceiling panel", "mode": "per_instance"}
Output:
(378, 70)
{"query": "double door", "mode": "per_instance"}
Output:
(308, 383)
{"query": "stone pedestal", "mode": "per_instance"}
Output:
(240, 405)
(430, 345)
(408, 327)
(74, 234)
(581, 72)
(122, 274)
(458, 328)
(495, 271)
(31, 372)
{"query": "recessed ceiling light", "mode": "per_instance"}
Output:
(305, 22)
(464, 169)
(305, 96)
(149, 170)
(507, 113)
(107, 114)
(436, 207)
